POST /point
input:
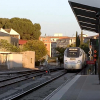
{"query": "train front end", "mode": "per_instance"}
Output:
(72, 59)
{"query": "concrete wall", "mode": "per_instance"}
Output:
(3, 61)
(14, 60)
(29, 59)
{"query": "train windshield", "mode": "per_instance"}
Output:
(73, 52)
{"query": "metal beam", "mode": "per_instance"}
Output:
(73, 4)
(84, 13)
(84, 19)
(89, 29)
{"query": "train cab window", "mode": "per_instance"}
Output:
(73, 53)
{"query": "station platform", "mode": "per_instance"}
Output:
(81, 87)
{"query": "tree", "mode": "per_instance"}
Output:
(23, 26)
(5, 46)
(60, 53)
(85, 47)
(81, 38)
(37, 46)
(72, 45)
(76, 39)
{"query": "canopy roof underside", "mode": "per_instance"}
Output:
(86, 15)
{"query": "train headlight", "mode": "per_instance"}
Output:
(78, 61)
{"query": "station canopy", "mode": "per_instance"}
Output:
(85, 12)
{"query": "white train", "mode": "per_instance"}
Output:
(74, 58)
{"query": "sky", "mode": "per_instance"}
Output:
(54, 16)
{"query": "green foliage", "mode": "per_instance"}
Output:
(72, 45)
(85, 47)
(77, 40)
(14, 49)
(37, 46)
(5, 46)
(81, 38)
(24, 27)
(3, 21)
(60, 53)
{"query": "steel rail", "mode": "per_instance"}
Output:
(19, 76)
(35, 88)
(28, 74)
(17, 79)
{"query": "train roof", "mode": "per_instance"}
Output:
(74, 48)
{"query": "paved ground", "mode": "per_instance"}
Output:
(82, 87)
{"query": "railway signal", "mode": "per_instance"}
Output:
(95, 59)
(95, 51)
(46, 71)
(90, 52)
(95, 55)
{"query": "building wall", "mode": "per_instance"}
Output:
(29, 59)
(53, 51)
(48, 40)
(6, 38)
(14, 61)
(72, 40)
(63, 42)
(47, 43)
(12, 40)
(4, 34)
(2, 30)
(15, 36)
(48, 46)
(3, 61)
(13, 33)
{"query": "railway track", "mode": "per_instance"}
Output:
(41, 84)
(16, 79)
(20, 91)
(20, 78)
(38, 88)
(41, 93)
(28, 87)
